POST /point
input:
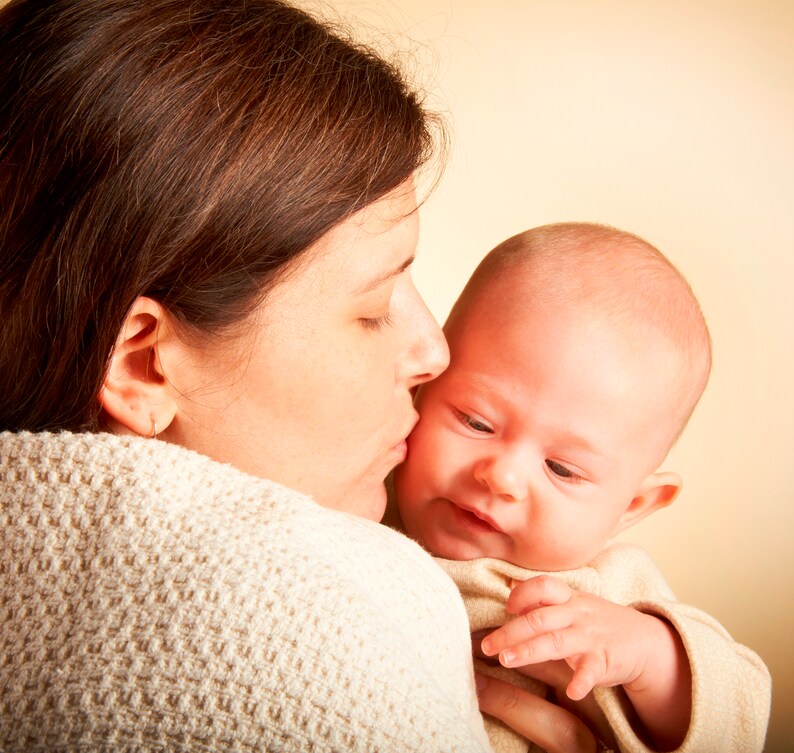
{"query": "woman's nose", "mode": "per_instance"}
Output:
(504, 476)
(428, 354)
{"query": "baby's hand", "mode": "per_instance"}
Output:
(604, 643)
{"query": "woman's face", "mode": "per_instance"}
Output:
(316, 393)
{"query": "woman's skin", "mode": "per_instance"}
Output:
(316, 392)
(547, 725)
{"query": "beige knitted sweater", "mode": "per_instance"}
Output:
(731, 686)
(152, 599)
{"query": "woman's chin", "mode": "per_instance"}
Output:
(367, 502)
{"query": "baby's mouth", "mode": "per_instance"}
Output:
(476, 520)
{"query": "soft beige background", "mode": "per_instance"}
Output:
(674, 120)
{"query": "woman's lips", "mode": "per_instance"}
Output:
(401, 448)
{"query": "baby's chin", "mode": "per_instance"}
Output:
(452, 548)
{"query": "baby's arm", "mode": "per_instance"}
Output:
(606, 644)
(731, 686)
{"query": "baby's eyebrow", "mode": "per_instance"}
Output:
(591, 454)
(372, 284)
(579, 442)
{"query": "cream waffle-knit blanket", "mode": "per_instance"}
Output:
(152, 599)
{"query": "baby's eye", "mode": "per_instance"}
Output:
(473, 423)
(558, 469)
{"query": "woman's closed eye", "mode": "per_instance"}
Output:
(376, 323)
(472, 423)
(562, 471)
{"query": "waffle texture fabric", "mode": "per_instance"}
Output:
(152, 599)
(731, 686)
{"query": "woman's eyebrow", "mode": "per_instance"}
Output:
(372, 284)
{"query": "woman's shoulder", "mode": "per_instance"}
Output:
(135, 483)
(207, 587)
(157, 514)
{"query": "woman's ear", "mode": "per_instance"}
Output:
(136, 396)
(657, 491)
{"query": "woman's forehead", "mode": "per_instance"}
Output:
(368, 249)
(351, 262)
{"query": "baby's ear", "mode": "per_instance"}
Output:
(656, 492)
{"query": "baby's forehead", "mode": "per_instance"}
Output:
(540, 321)
(633, 291)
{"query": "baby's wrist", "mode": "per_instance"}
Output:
(657, 656)
(661, 692)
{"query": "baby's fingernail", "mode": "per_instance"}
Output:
(487, 646)
(506, 658)
(480, 681)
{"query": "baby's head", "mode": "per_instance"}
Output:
(578, 353)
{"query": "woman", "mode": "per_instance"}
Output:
(208, 221)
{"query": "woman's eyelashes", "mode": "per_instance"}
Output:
(376, 322)
(562, 471)
(473, 423)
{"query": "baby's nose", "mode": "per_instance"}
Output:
(504, 477)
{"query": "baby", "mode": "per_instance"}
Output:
(578, 353)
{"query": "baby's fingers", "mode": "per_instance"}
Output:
(541, 591)
(527, 638)
(555, 644)
(588, 670)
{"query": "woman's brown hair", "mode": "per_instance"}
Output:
(185, 151)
